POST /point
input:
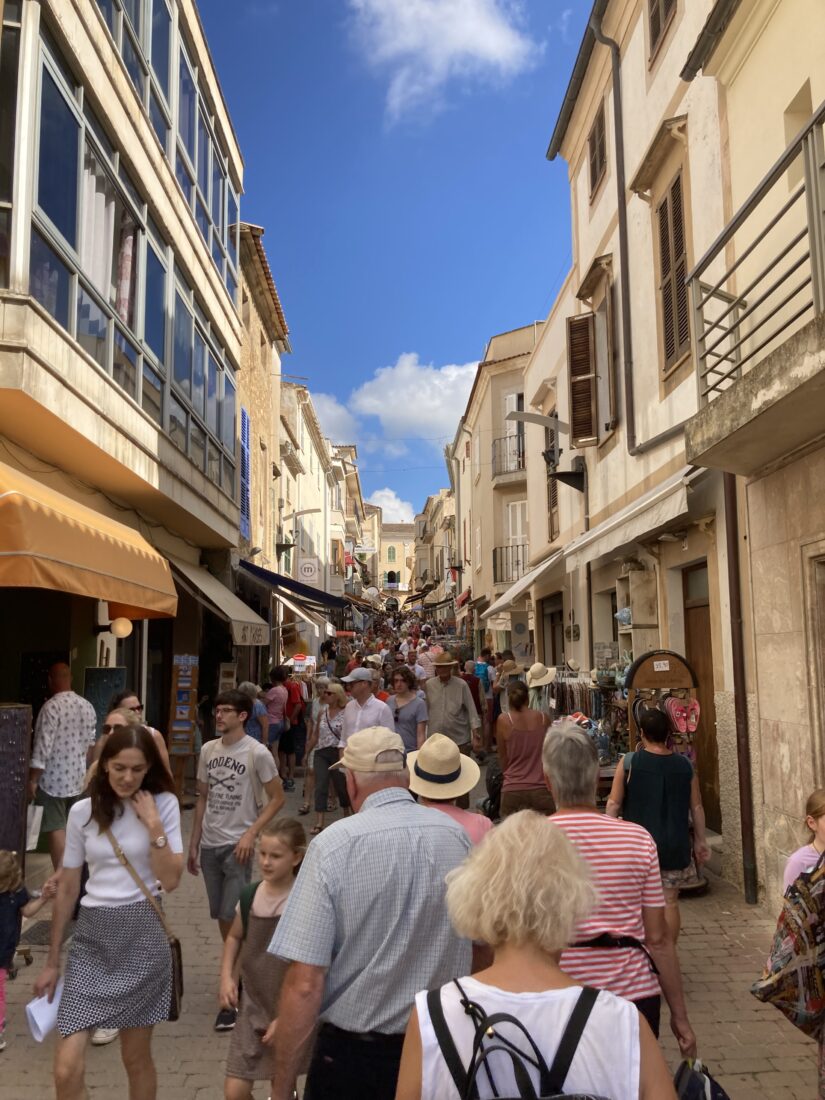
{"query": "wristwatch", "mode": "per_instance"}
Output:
(159, 841)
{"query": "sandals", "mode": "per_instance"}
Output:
(303, 810)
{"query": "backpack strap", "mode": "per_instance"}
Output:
(245, 901)
(571, 1038)
(446, 1044)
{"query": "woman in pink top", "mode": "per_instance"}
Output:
(807, 857)
(439, 774)
(519, 737)
(276, 698)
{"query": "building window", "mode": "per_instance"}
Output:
(660, 14)
(9, 58)
(581, 368)
(391, 554)
(597, 151)
(551, 444)
(59, 152)
(245, 502)
(673, 293)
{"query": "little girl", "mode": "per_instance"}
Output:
(280, 850)
(807, 857)
(14, 901)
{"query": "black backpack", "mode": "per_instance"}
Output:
(487, 1040)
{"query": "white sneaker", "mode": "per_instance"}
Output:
(103, 1035)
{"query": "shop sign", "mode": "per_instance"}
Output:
(308, 570)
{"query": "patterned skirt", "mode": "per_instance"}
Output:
(118, 972)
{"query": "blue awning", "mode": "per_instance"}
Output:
(307, 594)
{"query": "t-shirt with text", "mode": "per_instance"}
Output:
(231, 801)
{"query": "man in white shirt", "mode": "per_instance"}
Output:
(363, 709)
(418, 670)
(65, 731)
(236, 775)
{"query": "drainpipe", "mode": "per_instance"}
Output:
(740, 699)
(633, 448)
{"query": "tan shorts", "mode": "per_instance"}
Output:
(672, 880)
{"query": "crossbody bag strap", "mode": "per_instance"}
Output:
(571, 1038)
(446, 1043)
(124, 860)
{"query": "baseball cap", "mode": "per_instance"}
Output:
(357, 674)
(362, 750)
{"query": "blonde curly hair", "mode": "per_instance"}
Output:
(11, 877)
(524, 883)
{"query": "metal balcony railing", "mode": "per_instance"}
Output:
(508, 454)
(742, 311)
(509, 563)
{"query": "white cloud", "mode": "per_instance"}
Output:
(337, 421)
(415, 400)
(394, 510)
(425, 44)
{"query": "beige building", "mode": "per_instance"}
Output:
(396, 554)
(120, 346)
(758, 297)
(436, 566)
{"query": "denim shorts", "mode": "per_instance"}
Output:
(275, 731)
(224, 878)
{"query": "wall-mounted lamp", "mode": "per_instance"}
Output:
(120, 627)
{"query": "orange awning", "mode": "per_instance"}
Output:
(49, 541)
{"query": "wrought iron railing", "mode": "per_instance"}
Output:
(508, 454)
(509, 563)
(763, 277)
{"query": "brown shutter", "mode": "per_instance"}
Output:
(680, 290)
(581, 365)
(655, 24)
(666, 282)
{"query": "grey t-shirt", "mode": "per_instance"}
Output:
(232, 799)
(407, 718)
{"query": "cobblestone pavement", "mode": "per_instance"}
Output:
(747, 1045)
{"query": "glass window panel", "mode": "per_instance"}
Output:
(228, 478)
(134, 66)
(232, 228)
(93, 123)
(197, 445)
(228, 414)
(5, 245)
(697, 586)
(151, 398)
(132, 9)
(155, 317)
(187, 108)
(217, 195)
(129, 187)
(123, 289)
(13, 11)
(184, 179)
(202, 218)
(212, 395)
(161, 31)
(183, 346)
(203, 155)
(108, 9)
(158, 120)
(213, 468)
(59, 154)
(108, 238)
(155, 232)
(124, 363)
(231, 285)
(177, 423)
(217, 252)
(198, 371)
(92, 323)
(9, 54)
(49, 280)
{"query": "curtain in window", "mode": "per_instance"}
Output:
(126, 270)
(97, 223)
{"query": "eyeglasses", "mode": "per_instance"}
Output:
(225, 710)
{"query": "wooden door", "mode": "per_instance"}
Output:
(699, 654)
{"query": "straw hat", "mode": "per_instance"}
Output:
(362, 750)
(439, 770)
(444, 659)
(538, 675)
(507, 668)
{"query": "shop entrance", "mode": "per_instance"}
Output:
(552, 612)
(699, 654)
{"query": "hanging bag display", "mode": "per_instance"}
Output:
(176, 997)
(488, 1039)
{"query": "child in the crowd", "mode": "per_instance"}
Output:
(281, 848)
(807, 857)
(14, 902)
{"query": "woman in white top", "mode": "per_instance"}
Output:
(119, 967)
(325, 745)
(504, 896)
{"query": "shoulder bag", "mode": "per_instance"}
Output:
(174, 943)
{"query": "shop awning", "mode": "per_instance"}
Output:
(503, 603)
(319, 626)
(642, 518)
(49, 541)
(247, 627)
(305, 592)
(462, 599)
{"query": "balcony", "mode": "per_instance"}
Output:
(509, 563)
(758, 297)
(508, 460)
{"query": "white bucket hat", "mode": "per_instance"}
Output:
(538, 675)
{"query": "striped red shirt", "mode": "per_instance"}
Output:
(625, 866)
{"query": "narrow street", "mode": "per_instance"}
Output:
(747, 1045)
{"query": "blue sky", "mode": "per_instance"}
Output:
(395, 154)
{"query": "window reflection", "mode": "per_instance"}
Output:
(92, 323)
(124, 363)
(59, 139)
(49, 280)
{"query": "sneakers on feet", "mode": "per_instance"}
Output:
(103, 1035)
(289, 784)
(225, 1020)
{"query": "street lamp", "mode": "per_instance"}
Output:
(575, 477)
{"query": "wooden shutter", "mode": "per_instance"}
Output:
(581, 366)
(245, 522)
(597, 152)
(672, 272)
(550, 441)
(655, 24)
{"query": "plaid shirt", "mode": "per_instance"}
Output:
(369, 907)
